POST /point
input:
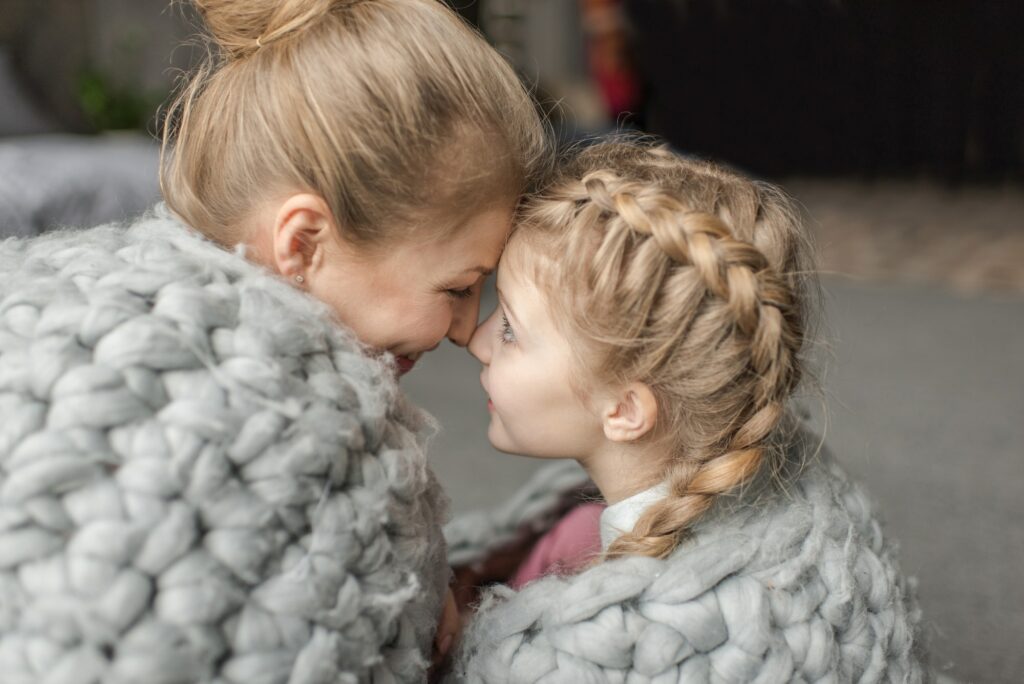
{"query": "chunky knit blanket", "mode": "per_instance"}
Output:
(203, 478)
(783, 583)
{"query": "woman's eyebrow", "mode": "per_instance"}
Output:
(482, 270)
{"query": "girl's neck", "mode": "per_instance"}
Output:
(622, 470)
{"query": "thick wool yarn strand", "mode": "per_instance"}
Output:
(202, 477)
(780, 585)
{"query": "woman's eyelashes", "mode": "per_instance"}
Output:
(464, 293)
(460, 292)
(506, 334)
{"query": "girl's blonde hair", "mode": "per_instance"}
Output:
(690, 279)
(384, 108)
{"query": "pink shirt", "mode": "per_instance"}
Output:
(581, 536)
(571, 544)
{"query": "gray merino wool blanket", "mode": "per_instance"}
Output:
(203, 478)
(790, 583)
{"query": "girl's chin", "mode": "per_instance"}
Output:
(499, 440)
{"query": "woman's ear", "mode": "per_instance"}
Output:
(301, 227)
(630, 414)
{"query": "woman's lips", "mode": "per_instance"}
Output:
(490, 405)
(405, 362)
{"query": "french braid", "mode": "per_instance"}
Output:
(690, 279)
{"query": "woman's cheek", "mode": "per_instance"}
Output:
(431, 326)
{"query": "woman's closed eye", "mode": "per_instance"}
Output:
(506, 335)
(454, 291)
(463, 293)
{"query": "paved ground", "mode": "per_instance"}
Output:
(971, 238)
(925, 392)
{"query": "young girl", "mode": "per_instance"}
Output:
(653, 314)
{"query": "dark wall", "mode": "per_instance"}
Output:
(874, 87)
(120, 57)
(469, 9)
(48, 41)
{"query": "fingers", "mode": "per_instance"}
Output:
(447, 629)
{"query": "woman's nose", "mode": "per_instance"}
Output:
(464, 320)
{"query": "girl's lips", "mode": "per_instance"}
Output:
(490, 405)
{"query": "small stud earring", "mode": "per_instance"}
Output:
(300, 279)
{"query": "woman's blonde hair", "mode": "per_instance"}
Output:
(688, 278)
(384, 108)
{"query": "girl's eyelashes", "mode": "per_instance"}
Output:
(506, 334)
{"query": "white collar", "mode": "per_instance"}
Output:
(620, 517)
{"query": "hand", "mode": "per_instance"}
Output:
(500, 566)
(448, 631)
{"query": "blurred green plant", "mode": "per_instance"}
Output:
(109, 106)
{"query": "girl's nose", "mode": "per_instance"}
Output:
(479, 345)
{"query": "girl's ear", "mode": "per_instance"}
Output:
(631, 414)
(301, 227)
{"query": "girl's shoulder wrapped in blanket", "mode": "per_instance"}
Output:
(782, 583)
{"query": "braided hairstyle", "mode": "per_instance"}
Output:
(688, 278)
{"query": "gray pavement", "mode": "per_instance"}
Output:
(925, 402)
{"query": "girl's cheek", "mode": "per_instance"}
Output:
(514, 384)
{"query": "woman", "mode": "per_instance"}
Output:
(245, 495)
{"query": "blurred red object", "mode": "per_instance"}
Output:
(608, 55)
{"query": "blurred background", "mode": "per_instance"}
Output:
(899, 125)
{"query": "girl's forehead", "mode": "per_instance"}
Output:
(524, 289)
(524, 259)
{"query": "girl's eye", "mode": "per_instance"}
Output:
(506, 335)
(460, 294)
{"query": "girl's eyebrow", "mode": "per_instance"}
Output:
(508, 309)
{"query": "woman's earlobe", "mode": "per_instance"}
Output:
(631, 414)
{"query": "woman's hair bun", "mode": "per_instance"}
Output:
(240, 27)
